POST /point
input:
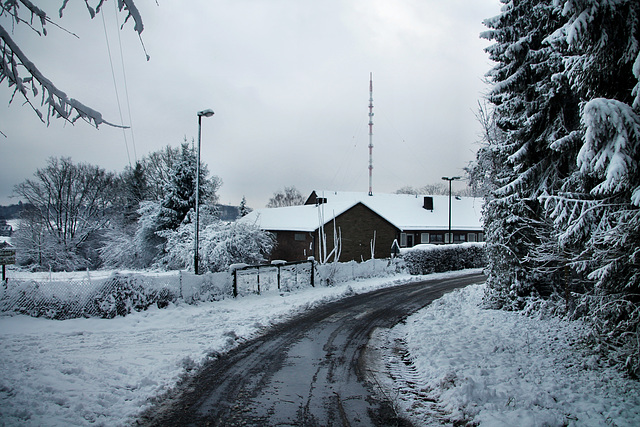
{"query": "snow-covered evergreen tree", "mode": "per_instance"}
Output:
(140, 245)
(565, 211)
(180, 191)
(244, 209)
(534, 107)
(599, 211)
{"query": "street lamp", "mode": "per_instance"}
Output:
(206, 113)
(446, 178)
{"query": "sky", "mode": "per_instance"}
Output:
(288, 81)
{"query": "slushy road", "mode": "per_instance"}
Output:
(308, 371)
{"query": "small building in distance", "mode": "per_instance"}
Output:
(5, 229)
(368, 225)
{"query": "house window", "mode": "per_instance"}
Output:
(424, 238)
(471, 237)
(436, 238)
(459, 238)
(447, 237)
(403, 240)
(300, 237)
(480, 237)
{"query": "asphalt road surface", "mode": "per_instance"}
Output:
(308, 371)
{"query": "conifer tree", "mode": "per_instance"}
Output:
(244, 209)
(533, 109)
(599, 211)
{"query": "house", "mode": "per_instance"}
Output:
(5, 229)
(368, 224)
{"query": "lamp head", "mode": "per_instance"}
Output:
(206, 113)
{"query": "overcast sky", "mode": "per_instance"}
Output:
(288, 81)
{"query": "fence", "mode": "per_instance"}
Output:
(65, 296)
(285, 276)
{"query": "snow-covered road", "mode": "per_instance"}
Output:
(494, 366)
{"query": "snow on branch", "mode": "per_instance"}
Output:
(611, 146)
(27, 80)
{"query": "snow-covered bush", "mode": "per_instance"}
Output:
(221, 245)
(427, 259)
(119, 296)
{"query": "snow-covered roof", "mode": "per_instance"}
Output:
(294, 218)
(404, 211)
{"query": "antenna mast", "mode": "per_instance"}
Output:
(370, 133)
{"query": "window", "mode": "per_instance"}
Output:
(403, 240)
(459, 238)
(424, 237)
(480, 237)
(300, 237)
(447, 237)
(471, 237)
(436, 238)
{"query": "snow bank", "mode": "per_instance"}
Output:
(500, 368)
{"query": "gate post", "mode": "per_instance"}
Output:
(235, 283)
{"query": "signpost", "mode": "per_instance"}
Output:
(7, 256)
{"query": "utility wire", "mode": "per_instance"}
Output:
(126, 89)
(115, 86)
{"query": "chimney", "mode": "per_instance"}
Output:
(428, 203)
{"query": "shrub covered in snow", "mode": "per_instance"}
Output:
(221, 245)
(427, 259)
(119, 296)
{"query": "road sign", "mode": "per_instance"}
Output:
(7, 256)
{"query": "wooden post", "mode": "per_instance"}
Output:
(258, 281)
(278, 277)
(235, 283)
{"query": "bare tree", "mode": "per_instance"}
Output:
(290, 196)
(70, 205)
(24, 76)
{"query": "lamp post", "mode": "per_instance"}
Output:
(446, 178)
(206, 113)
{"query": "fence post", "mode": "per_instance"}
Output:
(313, 274)
(258, 280)
(278, 276)
(235, 282)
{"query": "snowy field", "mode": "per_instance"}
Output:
(500, 368)
(456, 362)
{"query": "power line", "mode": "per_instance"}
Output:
(115, 86)
(126, 89)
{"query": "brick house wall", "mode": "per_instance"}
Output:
(293, 245)
(357, 225)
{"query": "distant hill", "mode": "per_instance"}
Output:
(11, 211)
(227, 213)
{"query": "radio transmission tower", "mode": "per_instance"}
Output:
(371, 134)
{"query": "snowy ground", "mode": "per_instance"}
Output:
(501, 368)
(103, 372)
(456, 362)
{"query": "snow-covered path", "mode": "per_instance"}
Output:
(501, 368)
